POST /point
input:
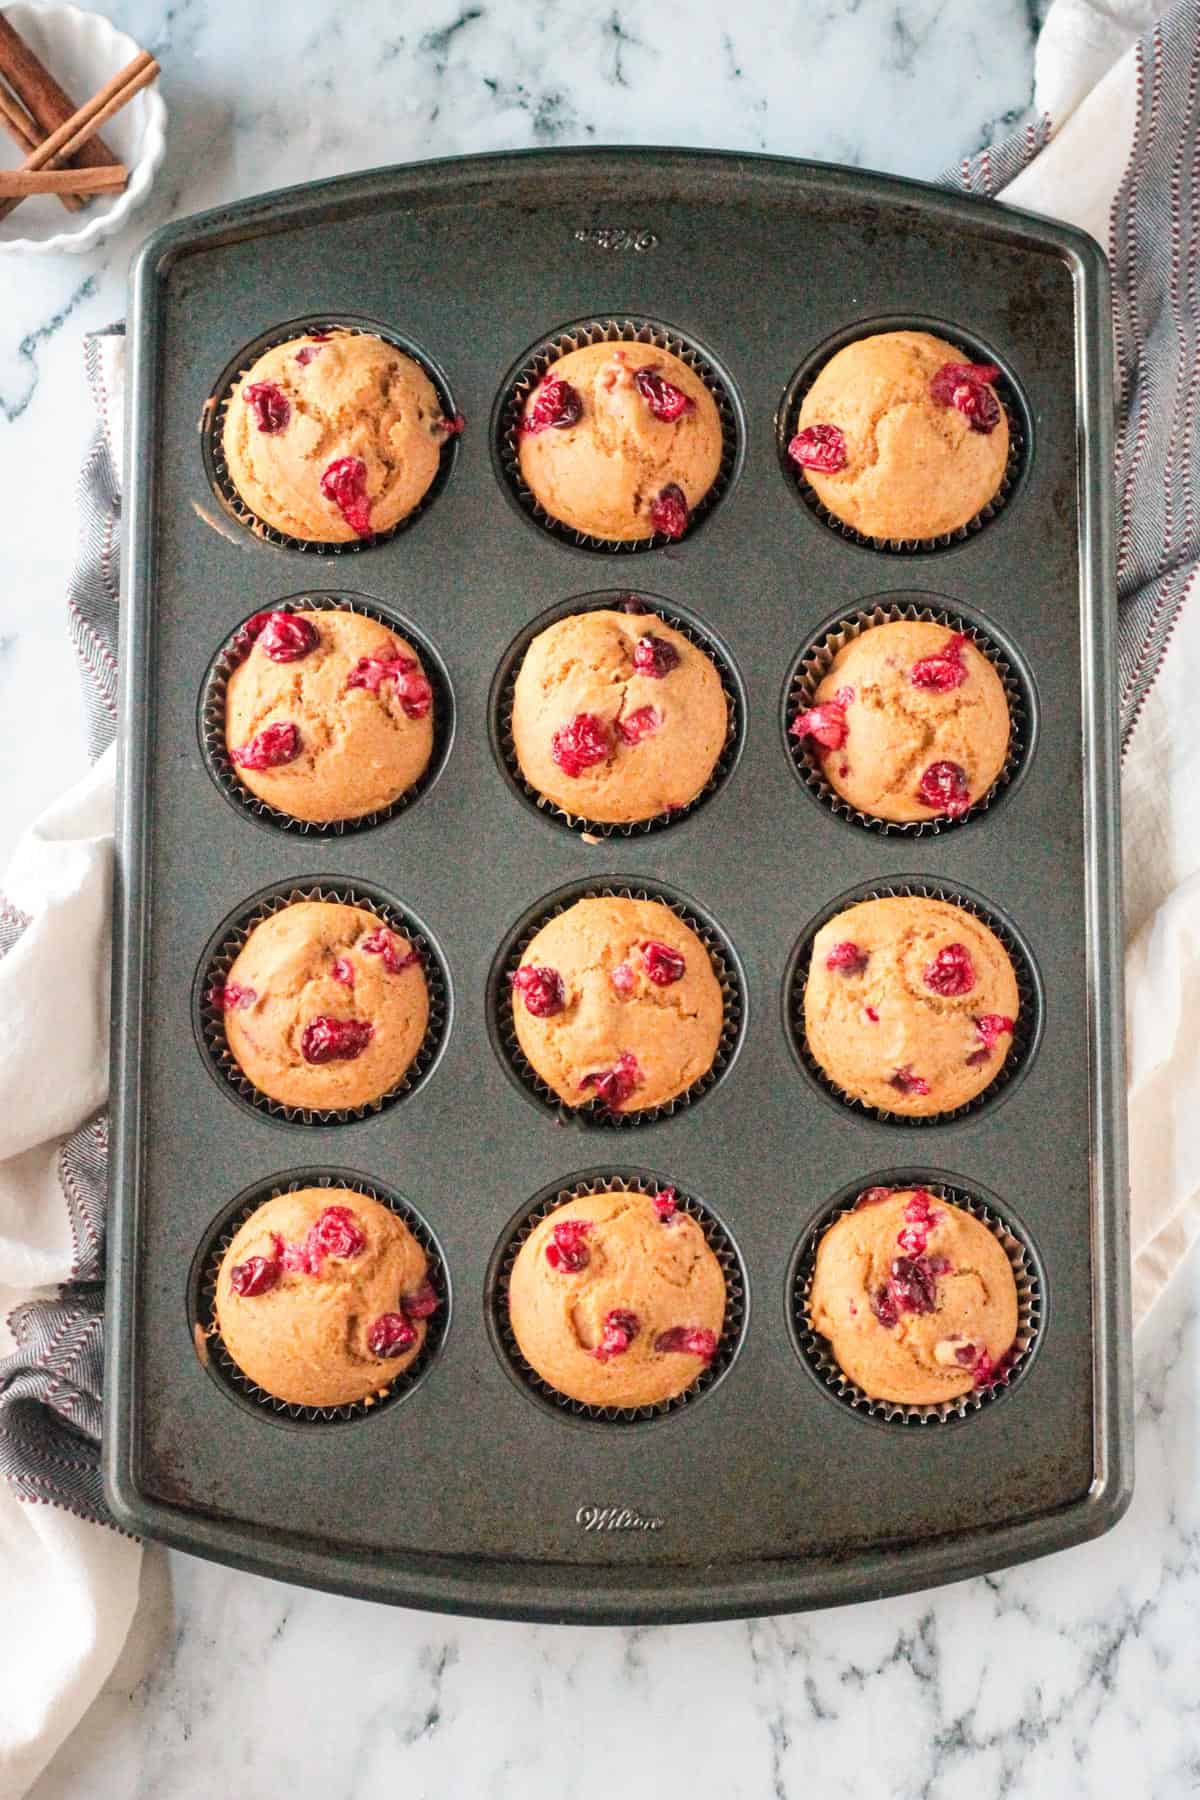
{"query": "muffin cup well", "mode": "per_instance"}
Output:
(233, 653)
(533, 365)
(1026, 1036)
(616, 600)
(202, 1290)
(212, 427)
(814, 663)
(502, 1029)
(816, 1353)
(1007, 392)
(600, 1181)
(224, 946)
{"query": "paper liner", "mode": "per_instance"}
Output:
(608, 330)
(719, 1241)
(212, 427)
(232, 654)
(813, 665)
(817, 1352)
(1025, 1037)
(502, 708)
(594, 1114)
(218, 959)
(221, 1364)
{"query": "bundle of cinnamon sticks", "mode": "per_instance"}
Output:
(64, 153)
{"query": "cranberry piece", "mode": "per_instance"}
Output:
(284, 637)
(404, 672)
(819, 447)
(623, 978)
(637, 725)
(847, 958)
(872, 1196)
(944, 788)
(951, 972)
(566, 1250)
(422, 1303)
(826, 724)
(383, 943)
(257, 1275)
(337, 1232)
(620, 1329)
(556, 405)
(871, 1016)
(966, 1354)
(653, 656)
(303, 1258)
(344, 483)
(335, 1040)
(666, 1204)
(695, 1340)
(912, 1285)
(942, 672)
(985, 1371)
(913, 1236)
(905, 1082)
(390, 1335)
(320, 334)
(343, 971)
(275, 745)
(306, 353)
(665, 400)
(632, 603)
(453, 426)
(991, 1028)
(614, 1086)
(541, 989)
(662, 964)
(232, 996)
(580, 744)
(270, 406)
(669, 511)
(884, 1308)
(965, 386)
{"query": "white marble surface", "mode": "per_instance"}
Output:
(1070, 1677)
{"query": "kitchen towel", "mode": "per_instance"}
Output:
(1112, 150)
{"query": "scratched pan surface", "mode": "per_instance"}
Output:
(766, 1492)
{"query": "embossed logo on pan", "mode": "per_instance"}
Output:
(615, 1518)
(615, 237)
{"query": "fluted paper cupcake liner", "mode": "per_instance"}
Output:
(222, 951)
(591, 830)
(210, 1346)
(606, 330)
(233, 653)
(814, 664)
(212, 427)
(602, 1182)
(594, 1114)
(1026, 1034)
(818, 1356)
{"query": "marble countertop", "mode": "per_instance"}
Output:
(1072, 1676)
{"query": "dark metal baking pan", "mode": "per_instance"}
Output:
(766, 1492)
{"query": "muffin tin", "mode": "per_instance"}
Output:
(768, 1489)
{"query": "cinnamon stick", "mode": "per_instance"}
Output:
(17, 184)
(49, 104)
(83, 124)
(22, 129)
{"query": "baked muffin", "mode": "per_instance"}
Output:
(330, 715)
(616, 1001)
(620, 441)
(901, 437)
(910, 722)
(617, 1299)
(323, 1297)
(334, 436)
(617, 716)
(325, 1006)
(917, 1298)
(910, 1004)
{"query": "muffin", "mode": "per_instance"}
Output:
(334, 436)
(917, 1298)
(910, 722)
(330, 715)
(616, 1001)
(910, 1005)
(617, 1300)
(901, 437)
(325, 1006)
(617, 717)
(620, 441)
(323, 1297)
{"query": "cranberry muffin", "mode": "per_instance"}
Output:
(910, 1004)
(325, 1006)
(334, 436)
(620, 441)
(616, 1002)
(901, 437)
(323, 1297)
(329, 716)
(617, 1299)
(917, 1298)
(617, 717)
(910, 722)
